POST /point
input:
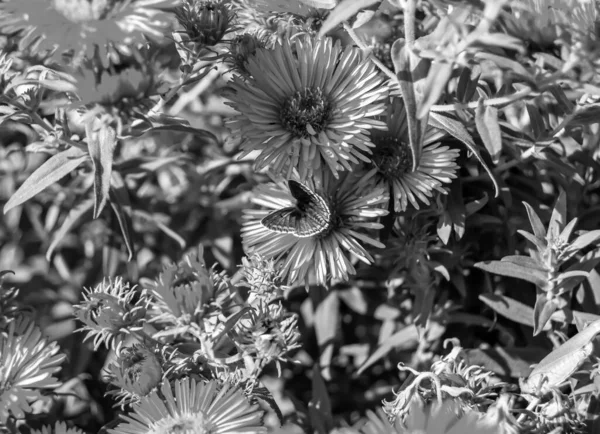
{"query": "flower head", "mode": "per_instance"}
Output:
(205, 22)
(109, 311)
(136, 372)
(352, 204)
(267, 332)
(79, 27)
(308, 105)
(185, 292)
(393, 160)
(58, 428)
(27, 365)
(195, 408)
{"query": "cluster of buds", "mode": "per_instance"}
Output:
(111, 311)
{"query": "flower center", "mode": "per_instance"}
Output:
(306, 113)
(81, 11)
(392, 158)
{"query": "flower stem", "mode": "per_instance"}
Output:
(488, 102)
(362, 46)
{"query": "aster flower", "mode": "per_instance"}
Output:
(205, 22)
(136, 372)
(393, 160)
(109, 312)
(80, 26)
(58, 428)
(266, 333)
(544, 21)
(28, 363)
(184, 292)
(352, 204)
(196, 407)
(308, 106)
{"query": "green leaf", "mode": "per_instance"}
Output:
(119, 201)
(405, 338)
(561, 363)
(343, 11)
(435, 85)
(54, 169)
(537, 122)
(486, 122)
(266, 395)
(533, 275)
(509, 308)
(543, 310)
(327, 319)
(539, 243)
(406, 66)
(456, 129)
(536, 223)
(101, 146)
(584, 240)
(75, 214)
(559, 216)
(526, 261)
(319, 407)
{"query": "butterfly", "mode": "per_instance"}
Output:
(309, 217)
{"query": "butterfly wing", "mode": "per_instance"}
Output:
(282, 221)
(311, 215)
(311, 204)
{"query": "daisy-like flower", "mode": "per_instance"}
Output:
(28, 363)
(184, 292)
(109, 312)
(79, 27)
(136, 372)
(58, 428)
(196, 407)
(266, 333)
(205, 22)
(353, 203)
(308, 106)
(393, 160)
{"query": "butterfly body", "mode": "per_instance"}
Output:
(309, 217)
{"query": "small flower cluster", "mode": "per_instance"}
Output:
(189, 331)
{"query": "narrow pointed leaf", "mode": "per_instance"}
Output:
(101, 146)
(509, 308)
(486, 121)
(438, 77)
(401, 57)
(54, 169)
(456, 129)
(119, 201)
(536, 223)
(543, 310)
(561, 363)
(75, 215)
(343, 11)
(559, 216)
(532, 275)
(327, 317)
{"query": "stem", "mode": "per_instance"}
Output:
(488, 102)
(410, 9)
(375, 60)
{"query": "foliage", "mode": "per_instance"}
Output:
(321, 216)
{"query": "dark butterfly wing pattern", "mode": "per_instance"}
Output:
(311, 215)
